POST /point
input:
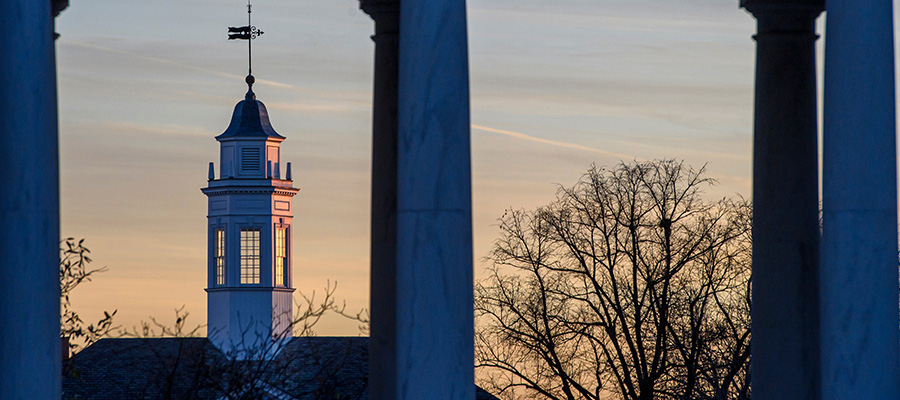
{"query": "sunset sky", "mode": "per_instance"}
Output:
(144, 87)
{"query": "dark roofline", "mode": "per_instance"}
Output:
(250, 119)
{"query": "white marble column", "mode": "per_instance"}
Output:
(383, 251)
(785, 320)
(30, 348)
(435, 355)
(860, 338)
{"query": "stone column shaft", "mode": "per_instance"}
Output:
(30, 352)
(785, 318)
(435, 335)
(860, 339)
(383, 250)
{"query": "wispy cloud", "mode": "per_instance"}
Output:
(314, 107)
(575, 146)
(208, 71)
(155, 129)
(153, 59)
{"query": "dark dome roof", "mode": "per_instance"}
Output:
(250, 119)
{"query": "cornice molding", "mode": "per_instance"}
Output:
(220, 191)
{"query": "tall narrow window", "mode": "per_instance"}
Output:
(249, 256)
(220, 256)
(280, 254)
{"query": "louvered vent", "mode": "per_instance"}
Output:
(250, 159)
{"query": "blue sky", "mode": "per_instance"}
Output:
(145, 86)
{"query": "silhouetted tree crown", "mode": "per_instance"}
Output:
(629, 284)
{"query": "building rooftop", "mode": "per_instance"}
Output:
(250, 119)
(306, 368)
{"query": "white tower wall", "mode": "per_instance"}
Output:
(249, 274)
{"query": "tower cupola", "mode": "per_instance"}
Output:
(250, 216)
(250, 119)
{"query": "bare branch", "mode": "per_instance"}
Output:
(629, 284)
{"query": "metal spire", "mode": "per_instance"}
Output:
(247, 33)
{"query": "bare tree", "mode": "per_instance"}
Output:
(628, 285)
(73, 271)
(309, 312)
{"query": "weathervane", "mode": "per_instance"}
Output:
(247, 33)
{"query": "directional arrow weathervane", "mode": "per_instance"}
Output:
(248, 33)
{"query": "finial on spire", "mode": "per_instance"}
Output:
(247, 33)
